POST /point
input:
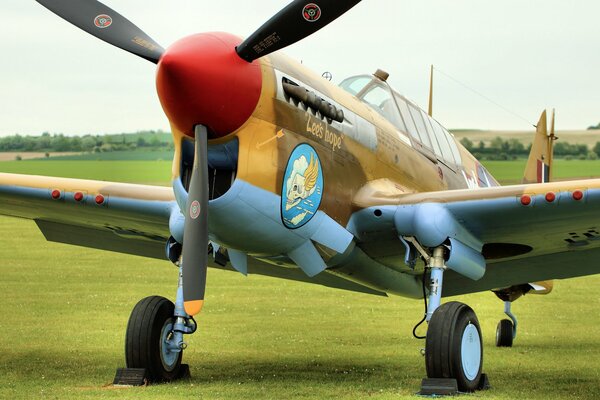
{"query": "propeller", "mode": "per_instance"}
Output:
(296, 21)
(195, 233)
(106, 24)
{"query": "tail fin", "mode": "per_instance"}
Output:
(539, 164)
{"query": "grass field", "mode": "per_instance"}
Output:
(511, 172)
(148, 172)
(159, 171)
(65, 310)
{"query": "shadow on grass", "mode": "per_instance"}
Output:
(335, 373)
(66, 367)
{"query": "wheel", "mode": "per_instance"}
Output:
(453, 346)
(149, 326)
(504, 333)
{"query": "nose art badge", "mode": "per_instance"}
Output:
(302, 187)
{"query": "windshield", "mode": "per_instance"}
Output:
(375, 94)
(355, 84)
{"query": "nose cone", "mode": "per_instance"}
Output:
(201, 80)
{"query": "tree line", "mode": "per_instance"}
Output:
(152, 140)
(510, 149)
(594, 127)
(497, 149)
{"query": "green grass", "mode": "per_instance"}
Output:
(159, 171)
(511, 172)
(148, 172)
(65, 309)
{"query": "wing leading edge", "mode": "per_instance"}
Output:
(525, 233)
(120, 217)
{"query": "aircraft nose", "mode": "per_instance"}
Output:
(201, 80)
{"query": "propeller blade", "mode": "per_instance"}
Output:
(106, 24)
(296, 21)
(195, 232)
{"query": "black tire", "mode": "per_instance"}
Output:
(144, 336)
(444, 345)
(504, 333)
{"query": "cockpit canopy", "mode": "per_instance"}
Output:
(425, 131)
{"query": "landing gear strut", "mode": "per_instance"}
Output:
(154, 338)
(453, 346)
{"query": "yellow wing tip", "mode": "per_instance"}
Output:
(193, 307)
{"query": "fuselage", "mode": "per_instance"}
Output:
(412, 154)
(308, 152)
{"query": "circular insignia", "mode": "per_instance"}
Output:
(194, 209)
(103, 21)
(311, 12)
(302, 187)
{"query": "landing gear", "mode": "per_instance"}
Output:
(154, 338)
(506, 331)
(453, 348)
(146, 343)
(453, 345)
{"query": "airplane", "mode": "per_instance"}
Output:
(279, 172)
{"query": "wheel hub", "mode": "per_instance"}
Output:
(470, 351)
(168, 357)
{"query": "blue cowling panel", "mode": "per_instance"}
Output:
(247, 219)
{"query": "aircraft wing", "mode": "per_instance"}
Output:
(526, 233)
(120, 217)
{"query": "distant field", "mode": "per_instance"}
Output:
(586, 137)
(148, 172)
(133, 155)
(511, 172)
(65, 309)
(11, 156)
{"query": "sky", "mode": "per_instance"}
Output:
(523, 55)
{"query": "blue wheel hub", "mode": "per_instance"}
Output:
(470, 351)
(168, 357)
